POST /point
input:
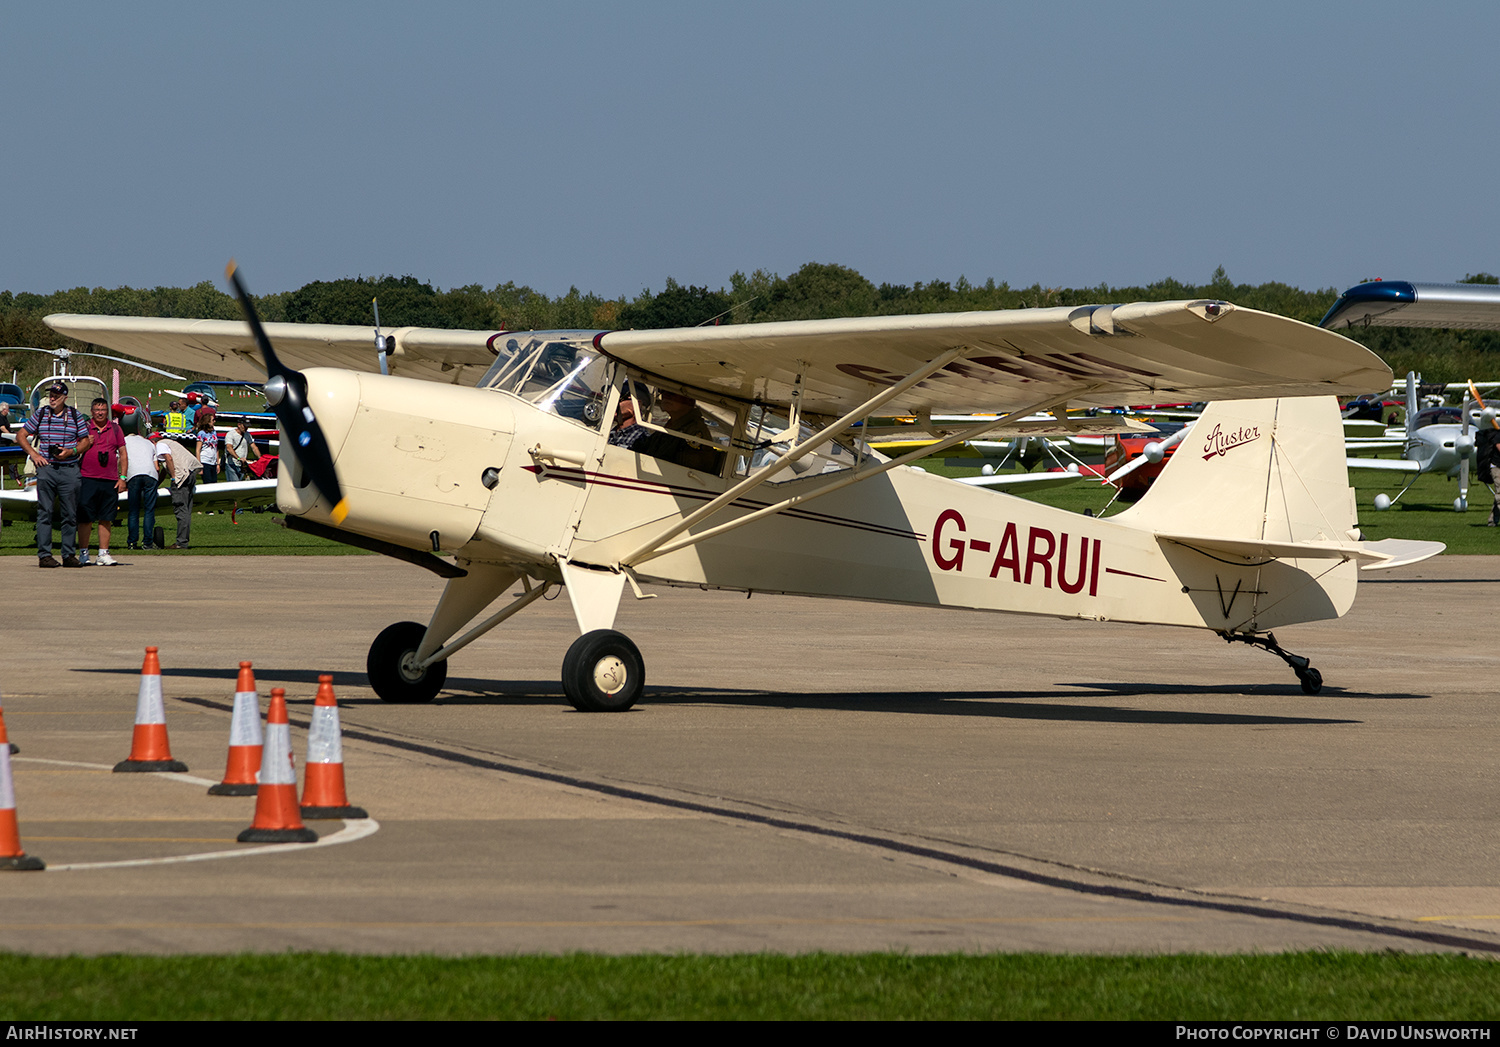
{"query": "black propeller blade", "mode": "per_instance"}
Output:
(286, 392)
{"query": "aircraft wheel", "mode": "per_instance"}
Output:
(391, 668)
(1311, 679)
(603, 672)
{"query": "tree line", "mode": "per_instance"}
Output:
(815, 291)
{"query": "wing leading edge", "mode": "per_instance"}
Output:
(1097, 355)
(1091, 355)
(227, 348)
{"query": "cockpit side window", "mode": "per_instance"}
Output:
(768, 437)
(674, 425)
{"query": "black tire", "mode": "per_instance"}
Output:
(603, 672)
(1311, 679)
(385, 666)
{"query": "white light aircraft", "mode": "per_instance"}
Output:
(747, 473)
(1445, 448)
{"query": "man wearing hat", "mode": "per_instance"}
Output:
(62, 437)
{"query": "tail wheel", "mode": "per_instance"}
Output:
(603, 672)
(392, 666)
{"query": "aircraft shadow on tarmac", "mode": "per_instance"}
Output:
(1013, 704)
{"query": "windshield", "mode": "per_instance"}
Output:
(559, 371)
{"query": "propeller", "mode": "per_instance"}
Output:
(286, 392)
(383, 344)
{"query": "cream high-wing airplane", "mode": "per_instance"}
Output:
(747, 473)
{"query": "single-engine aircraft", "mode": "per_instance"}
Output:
(729, 458)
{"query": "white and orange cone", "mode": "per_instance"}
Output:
(149, 749)
(11, 855)
(276, 817)
(244, 740)
(323, 794)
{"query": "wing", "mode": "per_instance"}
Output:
(226, 347)
(1149, 352)
(1396, 303)
(1389, 465)
(1022, 481)
(21, 505)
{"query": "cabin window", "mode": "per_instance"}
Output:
(560, 373)
(673, 425)
(767, 438)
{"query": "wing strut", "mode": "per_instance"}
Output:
(665, 544)
(823, 435)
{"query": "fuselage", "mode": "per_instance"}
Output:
(504, 477)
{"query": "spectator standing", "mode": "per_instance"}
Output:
(140, 482)
(62, 436)
(239, 448)
(103, 471)
(182, 467)
(208, 448)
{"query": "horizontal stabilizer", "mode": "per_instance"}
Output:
(1253, 548)
(1372, 556)
(1400, 552)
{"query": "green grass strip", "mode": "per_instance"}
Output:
(1322, 986)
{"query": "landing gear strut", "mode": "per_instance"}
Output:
(603, 672)
(392, 666)
(1310, 679)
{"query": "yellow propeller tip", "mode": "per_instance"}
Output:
(229, 270)
(340, 511)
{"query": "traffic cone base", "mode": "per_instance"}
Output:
(302, 835)
(233, 789)
(150, 765)
(25, 863)
(314, 813)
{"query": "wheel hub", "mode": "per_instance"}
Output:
(411, 672)
(609, 674)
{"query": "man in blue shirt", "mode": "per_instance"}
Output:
(62, 436)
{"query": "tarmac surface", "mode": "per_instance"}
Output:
(802, 775)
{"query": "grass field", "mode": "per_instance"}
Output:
(1308, 986)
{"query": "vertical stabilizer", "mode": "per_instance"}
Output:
(1268, 470)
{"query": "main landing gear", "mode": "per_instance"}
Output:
(603, 672)
(393, 669)
(1310, 679)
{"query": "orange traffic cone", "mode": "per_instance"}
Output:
(323, 794)
(244, 740)
(276, 817)
(149, 750)
(11, 855)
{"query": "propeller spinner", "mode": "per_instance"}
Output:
(286, 392)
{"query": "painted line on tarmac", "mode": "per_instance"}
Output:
(354, 829)
(1155, 894)
(708, 921)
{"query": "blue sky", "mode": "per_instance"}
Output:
(610, 146)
